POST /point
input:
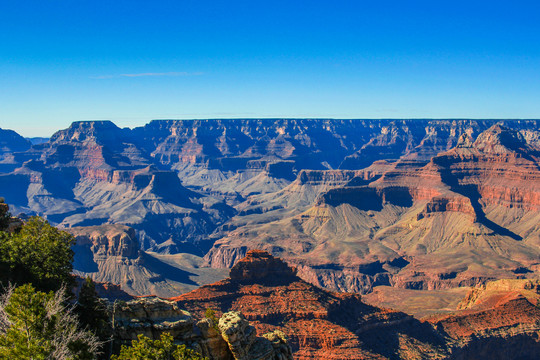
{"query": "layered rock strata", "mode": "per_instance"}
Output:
(498, 320)
(467, 216)
(112, 254)
(418, 204)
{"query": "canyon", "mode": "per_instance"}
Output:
(355, 205)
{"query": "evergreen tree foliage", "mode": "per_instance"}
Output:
(145, 348)
(37, 325)
(39, 254)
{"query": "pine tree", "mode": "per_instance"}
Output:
(38, 325)
(39, 254)
(5, 216)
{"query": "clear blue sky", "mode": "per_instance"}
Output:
(133, 61)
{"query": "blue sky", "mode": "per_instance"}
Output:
(133, 61)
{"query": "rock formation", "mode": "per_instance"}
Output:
(11, 146)
(235, 338)
(112, 254)
(319, 324)
(245, 345)
(467, 216)
(500, 319)
(260, 266)
(353, 204)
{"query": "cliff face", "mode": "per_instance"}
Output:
(498, 320)
(106, 241)
(111, 254)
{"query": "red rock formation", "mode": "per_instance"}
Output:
(499, 320)
(259, 266)
(318, 323)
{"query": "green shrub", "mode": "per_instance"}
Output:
(39, 254)
(145, 348)
(211, 314)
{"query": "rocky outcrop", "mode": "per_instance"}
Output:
(489, 294)
(111, 254)
(259, 266)
(235, 338)
(151, 317)
(244, 343)
(441, 204)
(107, 240)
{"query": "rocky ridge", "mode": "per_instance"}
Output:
(11, 145)
(499, 320)
(112, 254)
(319, 324)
